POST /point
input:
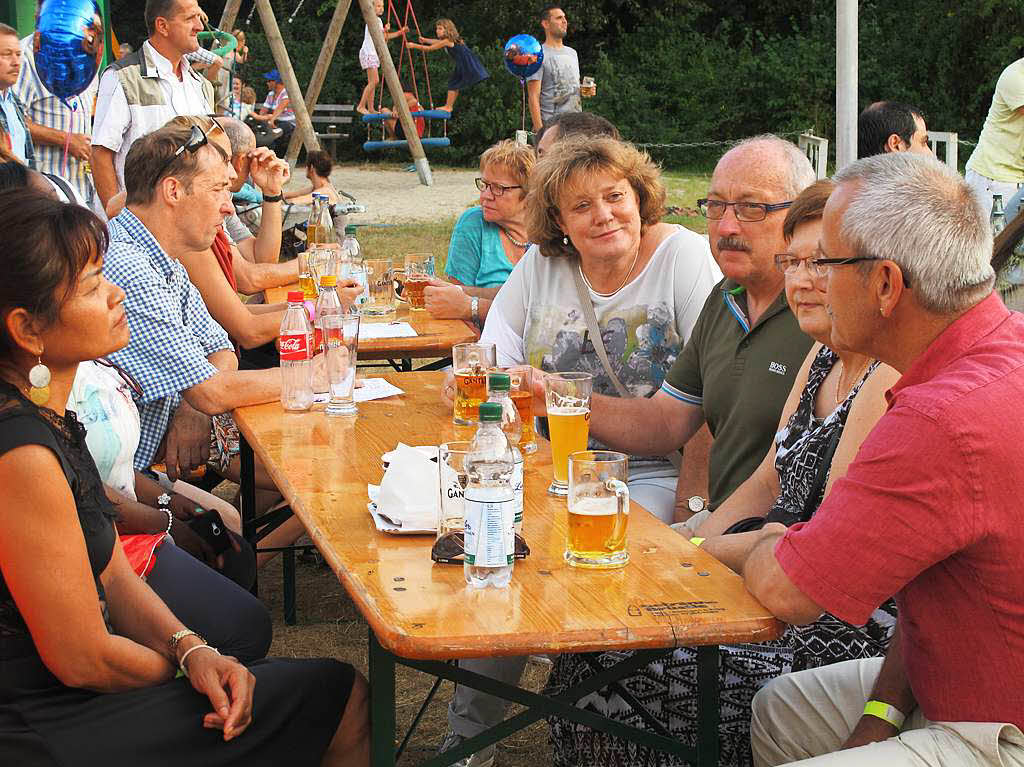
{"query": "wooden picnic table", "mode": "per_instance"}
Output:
(421, 614)
(434, 338)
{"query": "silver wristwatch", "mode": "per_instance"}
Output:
(474, 310)
(696, 503)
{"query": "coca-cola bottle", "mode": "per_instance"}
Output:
(296, 343)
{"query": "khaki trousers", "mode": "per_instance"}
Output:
(808, 716)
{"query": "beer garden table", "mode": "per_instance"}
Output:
(423, 615)
(434, 338)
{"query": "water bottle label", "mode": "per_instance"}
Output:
(295, 348)
(517, 494)
(489, 533)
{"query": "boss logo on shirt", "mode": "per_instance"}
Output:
(777, 367)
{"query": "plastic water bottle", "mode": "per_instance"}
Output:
(296, 342)
(327, 303)
(489, 504)
(356, 267)
(499, 386)
(998, 218)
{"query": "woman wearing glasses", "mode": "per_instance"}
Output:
(89, 654)
(488, 240)
(837, 398)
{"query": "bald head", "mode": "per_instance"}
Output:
(240, 135)
(779, 163)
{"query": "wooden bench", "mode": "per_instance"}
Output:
(333, 122)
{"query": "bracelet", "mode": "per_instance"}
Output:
(697, 541)
(885, 712)
(177, 636)
(189, 651)
(474, 310)
(273, 197)
(170, 520)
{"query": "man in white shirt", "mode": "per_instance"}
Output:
(14, 135)
(555, 87)
(142, 91)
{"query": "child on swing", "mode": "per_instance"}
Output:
(468, 69)
(369, 60)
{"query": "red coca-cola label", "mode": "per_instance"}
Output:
(294, 348)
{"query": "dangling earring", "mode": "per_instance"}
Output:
(565, 239)
(39, 377)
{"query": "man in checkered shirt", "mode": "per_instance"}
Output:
(178, 194)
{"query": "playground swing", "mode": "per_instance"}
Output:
(422, 117)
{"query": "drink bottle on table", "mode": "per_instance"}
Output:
(498, 392)
(598, 509)
(471, 363)
(328, 304)
(296, 346)
(489, 504)
(567, 398)
(355, 269)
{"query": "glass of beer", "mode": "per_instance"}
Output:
(588, 88)
(417, 277)
(521, 391)
(598, 510)
(341, 340)
(452, 470)
(380, 277)
(567, 397)
(471, 363)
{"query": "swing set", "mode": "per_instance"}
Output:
(423, 118)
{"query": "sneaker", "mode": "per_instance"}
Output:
(483, 758)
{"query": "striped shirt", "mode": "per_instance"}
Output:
(172, 333)
(43, 108)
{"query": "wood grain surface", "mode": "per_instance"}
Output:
(670, 594)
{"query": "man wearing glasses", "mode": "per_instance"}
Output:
(738, 367)
(929, 511)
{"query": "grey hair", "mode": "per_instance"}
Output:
(239, 134)
(799, 173)
(919, 213)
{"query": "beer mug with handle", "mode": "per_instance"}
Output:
(598, 510)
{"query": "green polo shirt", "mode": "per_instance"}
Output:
(740, 376)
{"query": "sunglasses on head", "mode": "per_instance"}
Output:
(450, 548)
(197, 139)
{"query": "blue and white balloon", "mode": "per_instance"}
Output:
(523, 55)
(68, 45)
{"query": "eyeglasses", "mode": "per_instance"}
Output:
(197, 139)
(450, 548)
(127, 377)
(745, 211)
(787, 263)
(496, 189)
(823, 263)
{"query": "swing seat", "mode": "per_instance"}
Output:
(433, 114)
(428, 143)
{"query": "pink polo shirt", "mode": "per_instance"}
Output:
(932, 511)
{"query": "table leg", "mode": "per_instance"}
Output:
(248, 495)
(707, 706)
(382, 705)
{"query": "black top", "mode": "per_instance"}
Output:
(22, 423)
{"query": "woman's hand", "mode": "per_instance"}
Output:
(349, 292)
(446, 301)
(184, 508)
(229, 686)
(448, 389)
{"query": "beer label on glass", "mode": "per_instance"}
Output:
(294, 348)
(489, 533)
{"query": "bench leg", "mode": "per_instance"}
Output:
(382, 705)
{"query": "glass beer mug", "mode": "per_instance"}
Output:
(598, 510)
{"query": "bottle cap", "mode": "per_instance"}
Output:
(498, 382)
(350, 229)
(295, 296)
(329, 281)
(490, 412)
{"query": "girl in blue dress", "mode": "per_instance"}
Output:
(468, 69)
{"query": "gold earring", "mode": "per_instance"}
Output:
(39, 378)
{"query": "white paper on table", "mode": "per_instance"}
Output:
(373, 330)
(374, 388)
(386, 526)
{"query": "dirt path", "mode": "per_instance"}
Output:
(393, 195)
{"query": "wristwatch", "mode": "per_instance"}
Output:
(695, 503)
(474, 310)
(273, 197)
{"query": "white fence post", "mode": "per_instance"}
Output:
(816, 149)
(950, 140)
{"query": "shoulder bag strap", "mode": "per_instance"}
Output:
(590, 317)
(821, 476)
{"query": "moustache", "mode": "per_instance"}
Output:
(732, 243)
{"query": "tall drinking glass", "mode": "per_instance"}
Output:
(342, 340)
(521, 391)
(598, 510)
(380, 277)
(416, 279)
(471, 363)
(452, 466)
(567, 397)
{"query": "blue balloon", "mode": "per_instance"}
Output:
(523, 55)
(68, 45)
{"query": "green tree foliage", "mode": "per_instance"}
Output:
(676, 71)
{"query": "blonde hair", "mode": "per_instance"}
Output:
(248, 95)
(576, 159)
(450, 32)
(517, 159)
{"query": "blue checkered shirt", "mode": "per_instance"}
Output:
(172, 331)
